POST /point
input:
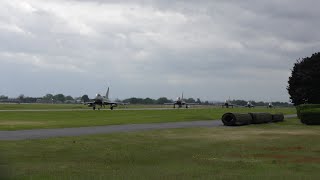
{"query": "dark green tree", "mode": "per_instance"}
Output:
(259, 103)
(163, 100)
(21, 98)
(148, 101)
(59, 97)
(3, 97)
(85, 98)
(48, 97)
(134, 100)
(69, 98)
(303, 85)
(190, 100)
(239, 102)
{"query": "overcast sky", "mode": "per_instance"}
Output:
(211, 49)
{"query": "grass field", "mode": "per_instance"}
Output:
(17, 120)
(41, 106)
(286, 150)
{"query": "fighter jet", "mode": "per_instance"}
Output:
(270, 105)
(100, 101)
(227, 104)
(249, 105)
(180, 102)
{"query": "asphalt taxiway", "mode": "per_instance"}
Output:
(63, 132)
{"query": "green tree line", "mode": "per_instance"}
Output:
(61, 98)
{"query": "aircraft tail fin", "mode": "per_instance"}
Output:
(182, 96)
(107, 94)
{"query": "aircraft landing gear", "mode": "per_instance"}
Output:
(94, 107)
(111, 107)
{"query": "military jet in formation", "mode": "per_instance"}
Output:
(227, 104)
(101, 101)
(180, 102)
(270, 105)
(249, 105)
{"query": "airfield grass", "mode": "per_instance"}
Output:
(41, 106)
(18, 120)
(286, 150)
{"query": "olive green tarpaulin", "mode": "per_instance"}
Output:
(259, 118)
(236, 119)
(277, 117)
(239, 119)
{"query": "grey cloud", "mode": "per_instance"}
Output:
(158, 47)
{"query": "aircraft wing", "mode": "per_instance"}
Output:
(115, 103)
(121, 103)
(110, 103)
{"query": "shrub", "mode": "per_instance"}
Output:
(305, 107)
(311, 117)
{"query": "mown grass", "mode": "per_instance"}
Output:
(62, 119)
(41, 106)
(286, 150)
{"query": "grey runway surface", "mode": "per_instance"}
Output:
(47, 133)
(62, 132)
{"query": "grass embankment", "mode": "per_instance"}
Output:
(286, 150)
(62, 119)
(41, 106)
